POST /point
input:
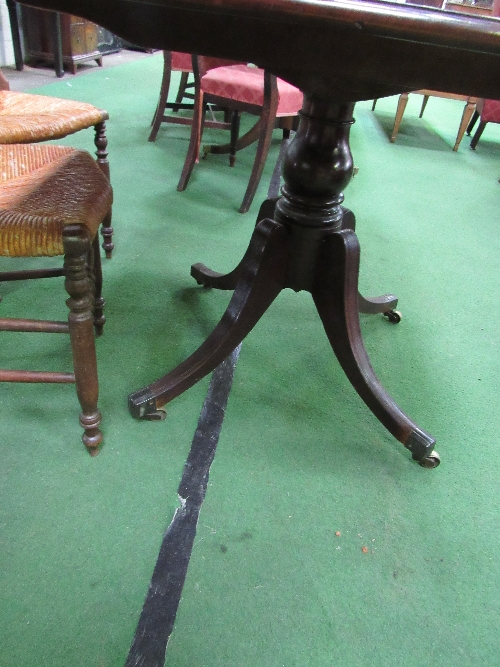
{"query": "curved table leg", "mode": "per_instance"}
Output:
(262, 279)
(335, 296)
(228, 281)
(385, 304)
(372, 305)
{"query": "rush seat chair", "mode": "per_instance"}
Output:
(52, 201)
(32, 118)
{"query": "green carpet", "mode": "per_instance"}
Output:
(300, 457)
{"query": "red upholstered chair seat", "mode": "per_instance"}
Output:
(176, 61)
(245, 83)
(238, 87)
(489, 110)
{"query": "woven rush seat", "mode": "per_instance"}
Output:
(28, 118)
(36, 203)
(32, 118)
(52, 202)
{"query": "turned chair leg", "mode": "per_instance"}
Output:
(94, 263)
(79, 284)
(101, 143)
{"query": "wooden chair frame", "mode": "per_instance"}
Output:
(261, 131)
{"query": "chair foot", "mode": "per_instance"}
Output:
(92, 436)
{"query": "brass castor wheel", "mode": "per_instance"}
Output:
(431, 461)
(156, 416)
(393, 316)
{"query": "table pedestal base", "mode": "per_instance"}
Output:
(304, 241)
(257, 281)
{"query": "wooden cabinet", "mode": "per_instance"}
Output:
(78, 37)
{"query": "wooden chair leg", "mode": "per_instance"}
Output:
(235, 131)
(78, 283)
(250, 137)
(266, 132)
(101, 143)
(194, 141)
(402, 102)
(464, 123)
(96, 276)
(424, 104)
(473, 121)
(286, 125)
(478, 134)
(267, 123)
(165, 86)
(182, 89)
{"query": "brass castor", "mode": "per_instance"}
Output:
(393, 316)
(431, 461)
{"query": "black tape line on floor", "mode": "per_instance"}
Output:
(162, 600)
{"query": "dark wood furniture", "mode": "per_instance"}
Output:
(15, 28)
(232, 88)
(180, 62)
(107, 42)
(78, 38)
(173, 62)
(42, 214)
(342, 52)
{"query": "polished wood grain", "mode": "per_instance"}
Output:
(349, 49)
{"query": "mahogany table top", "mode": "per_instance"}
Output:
(341, 50)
